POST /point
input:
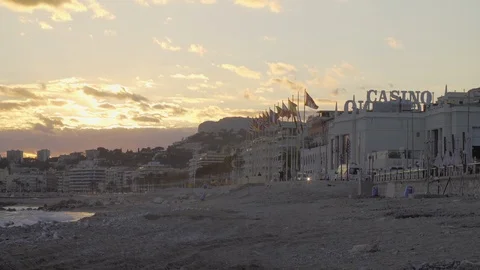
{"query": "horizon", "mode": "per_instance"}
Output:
(133, 74)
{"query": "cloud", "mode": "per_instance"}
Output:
(48, 124)
(122, 95)
(60, 10)
(286, 83)
(107, 106)
(25, 20)
(58, 102)
(167, 44)
(190, 77)
(19, 105)
(332, 76)
(147, 119)
(242, 71)
(101, 104)
(45, 26)
(215, 113)
(198, 49)
(251, 95)
(99, 11)
(272, 5)
(70, 140)
(18, 92)
(110, 33)
(267, 38)
(173, 109)
(145, 83)
(394, 43)
(147, 3)
(199, 86)
(279, 68)
(337, 91)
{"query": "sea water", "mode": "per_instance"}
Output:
(22, 217)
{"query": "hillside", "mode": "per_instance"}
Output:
(179, 153)
(228, 123)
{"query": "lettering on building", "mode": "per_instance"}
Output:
(416, 97)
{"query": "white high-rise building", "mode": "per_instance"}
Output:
(15, 156)
(43, 155)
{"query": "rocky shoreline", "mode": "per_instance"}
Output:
(281, 226)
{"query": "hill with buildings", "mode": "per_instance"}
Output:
(228, 123)
(224, 141)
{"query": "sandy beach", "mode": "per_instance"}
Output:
(279, 226)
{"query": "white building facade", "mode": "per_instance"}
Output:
(406, 132)
(43, 155)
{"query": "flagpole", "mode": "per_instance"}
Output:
(294, 148)
(297, 143)
(302, 165)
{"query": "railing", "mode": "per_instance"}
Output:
(419, 174)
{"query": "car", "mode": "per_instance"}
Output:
(303, 177)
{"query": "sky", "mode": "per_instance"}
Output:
(110, 70)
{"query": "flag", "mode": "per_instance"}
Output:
(286, 112)
(309, 102)
(273, 117)
(253, 124)
(292, 107)
(279, 111)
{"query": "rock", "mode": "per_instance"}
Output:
(56, 236)
(365, 248)
(467, 265)
(8, 223)
(158, 200)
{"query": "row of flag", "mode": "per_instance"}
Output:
(290, 111)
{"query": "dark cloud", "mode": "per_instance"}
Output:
(338, 91)
(18, 92)
(122, 117)
(12, 105)
(34, 3)
(69, 140)
(296, 86)
(58, 102)
(144, 106)
(124, 95)
(174, 109)
(179, 111)
(147, 119)
(48, 125)
(107, 106)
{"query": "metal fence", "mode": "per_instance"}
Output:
(419, 174)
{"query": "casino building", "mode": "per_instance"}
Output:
(413, 133)
(396, 129)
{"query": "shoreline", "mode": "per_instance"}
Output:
(282, 225)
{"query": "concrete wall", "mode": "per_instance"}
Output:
(459, 185)
(371, 131)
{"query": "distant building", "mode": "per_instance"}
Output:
(15, 156)
(85, 179)
(43, 155)
(200, 160)
(92, 154)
